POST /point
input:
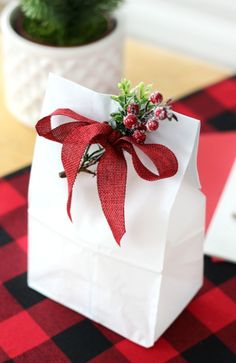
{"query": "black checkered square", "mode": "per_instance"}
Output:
(82, 342)
(4, 237)
(21, 292)
(210, 350)
(225, 121)
(213, 271)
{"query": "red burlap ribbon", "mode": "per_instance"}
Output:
(112, 169)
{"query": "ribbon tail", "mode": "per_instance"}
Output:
(111, 183)
(71, 156)
(73, 150)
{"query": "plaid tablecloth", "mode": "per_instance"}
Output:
(35, 329)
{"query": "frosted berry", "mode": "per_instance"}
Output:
(133, 108)
(130, 121)
(161, 113)
(152, 125)
(139, 136)
(156, 97)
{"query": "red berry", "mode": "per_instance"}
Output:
(139, 136)
(156, 97)
(152, 125)
(130, 121)
(161, 113)
(133, 108)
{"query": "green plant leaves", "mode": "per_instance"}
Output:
(66, 22)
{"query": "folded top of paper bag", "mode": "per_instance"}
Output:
(147, 204)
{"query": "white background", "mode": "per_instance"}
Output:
(202, 28)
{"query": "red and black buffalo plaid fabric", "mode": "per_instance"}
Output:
(35, 329)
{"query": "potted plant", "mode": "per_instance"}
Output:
(77, 39)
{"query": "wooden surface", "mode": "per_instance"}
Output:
(173, 74)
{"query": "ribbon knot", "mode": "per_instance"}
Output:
(114, 136)
(76, 135)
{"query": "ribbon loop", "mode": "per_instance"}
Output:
(76, 135)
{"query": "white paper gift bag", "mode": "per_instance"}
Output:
(138, 289)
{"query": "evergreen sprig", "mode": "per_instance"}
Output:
(66, 22)
(128, 95)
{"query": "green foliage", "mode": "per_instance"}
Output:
(66, 22)
(139, 95)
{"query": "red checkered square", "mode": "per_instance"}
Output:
(209, 147)
(8, 305)
(200, 105)
(20, 182)
(13, 199)
(224, 93)
(47, 352)
(181, 336)
(63, 318)
(13, 261)
(160, 352)
(19, 334)
(214, 309)
(23, 243)
(182, 107)
(15, 222)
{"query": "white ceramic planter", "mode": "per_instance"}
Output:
(27, 64)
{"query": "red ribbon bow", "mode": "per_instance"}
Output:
(112, 169)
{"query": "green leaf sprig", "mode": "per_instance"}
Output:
(145, 102)
(128, 95)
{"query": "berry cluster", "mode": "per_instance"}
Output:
(140, 111)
